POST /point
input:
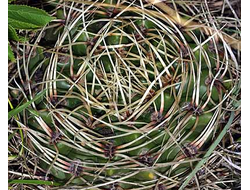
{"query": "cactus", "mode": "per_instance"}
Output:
(135, 94)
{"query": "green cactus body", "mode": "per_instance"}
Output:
(131, 105)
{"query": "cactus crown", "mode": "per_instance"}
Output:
(135, 92)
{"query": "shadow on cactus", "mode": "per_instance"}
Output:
(135, 97)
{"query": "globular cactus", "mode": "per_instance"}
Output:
(135, 93)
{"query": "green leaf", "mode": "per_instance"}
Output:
(25, 17)
(22, 25)
(12, 35)
(24, 106)
(11, 56)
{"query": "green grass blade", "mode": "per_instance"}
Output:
(209, 152)
(25, 105)
(33, 182)
(12, 157)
